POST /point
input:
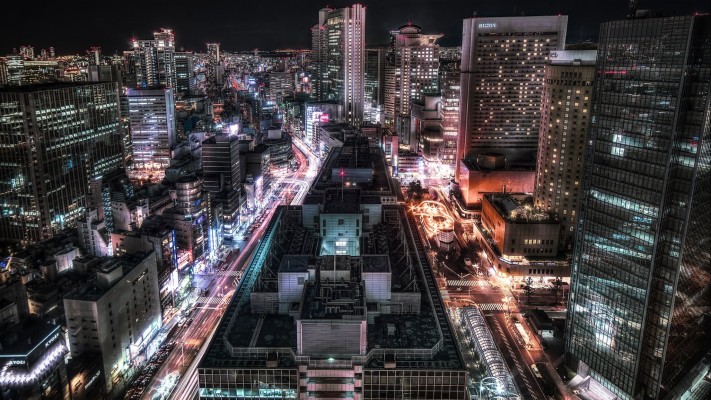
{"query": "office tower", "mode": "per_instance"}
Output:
(213, 51)
(338, 43)
(190, 218)
(374, 84)
(51, 52)
(565, 114)
(222, 177)
(94, 55)
(449, 111)
(116, 313)
(155, 60)
(638, 316)
(503, 60)
(317, 113)
(339, 301)
(45, 175)
(152, 125)
(411, 71)
(183, 72)
(281, 84)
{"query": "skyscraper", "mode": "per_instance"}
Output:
(152, 125)
(411, 70)
(449, 111)
(221, 175)
(55, 140)
(155, 60)
(213, 51)
(638, 315)
(183, 72)
(374, 84)
(565, 114)
(503, 61)
(338, 43)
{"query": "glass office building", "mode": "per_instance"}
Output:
(638, 315)
(54, 140)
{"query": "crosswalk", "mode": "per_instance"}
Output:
(492, 306)
(212, 301)
(460, 283)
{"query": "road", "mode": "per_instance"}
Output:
(206, 316)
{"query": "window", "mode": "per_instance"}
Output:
(340, 222)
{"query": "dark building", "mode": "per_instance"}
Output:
(338, 301)
(641, 287)
(56, 139)
(222, 177)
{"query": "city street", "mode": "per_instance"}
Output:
(209, 307)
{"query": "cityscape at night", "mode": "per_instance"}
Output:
(392, 199)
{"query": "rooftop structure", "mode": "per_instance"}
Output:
(338, 295)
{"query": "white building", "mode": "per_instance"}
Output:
(152, 124)
(502, 77)
(411, 71)
(117, 315)
(155, 60)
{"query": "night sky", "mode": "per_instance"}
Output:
(72, 26)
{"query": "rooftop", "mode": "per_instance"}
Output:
(93, 291)
(21, 339)
(518, 208)
(39, 87)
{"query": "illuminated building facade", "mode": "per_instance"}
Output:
(222, 177)
(183, 72)
(338, 43)
(32, 361)
(152, 125)
(565, 114)
(155, 60)
(519, 240)
(411, 71)
(449, 111)
(45, 186)
(116, 314)
(374, 84)
(330, 308)
(639, 304)
(502, 72)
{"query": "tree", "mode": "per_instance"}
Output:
(528, 288)
(415, 189)
(556, 288)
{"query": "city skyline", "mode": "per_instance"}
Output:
(255, 31)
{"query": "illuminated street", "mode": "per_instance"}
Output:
(209, 309)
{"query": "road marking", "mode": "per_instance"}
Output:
(213, 300)
(480, 283)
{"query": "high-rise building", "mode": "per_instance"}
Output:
(152, 125)
(27, 52)
(155, 60)
(449, 112)
(374, 84)
(117, 314)
(222, 177)
(48, 162)
(503, 61)
(639, 305)
(213, 51)
(339, 301)
(183, 72)
(338, 43)
(565, 114)
(411, 70)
